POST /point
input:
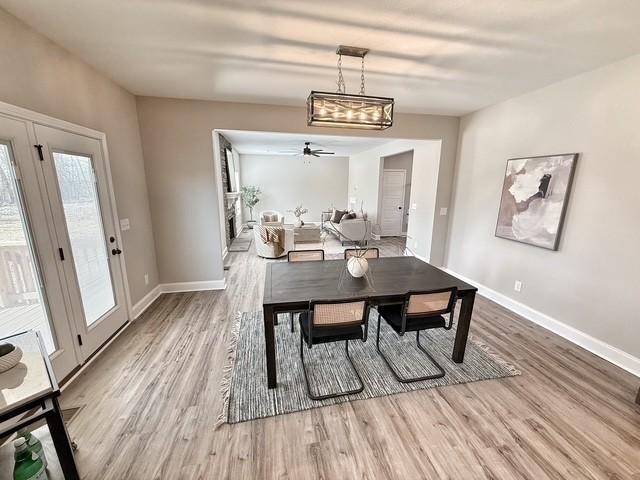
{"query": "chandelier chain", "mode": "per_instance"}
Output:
(362, 78)
(341, 86)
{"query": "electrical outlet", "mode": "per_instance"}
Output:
(443, 211)
(517, 286)
(414, 206)
(146, 279)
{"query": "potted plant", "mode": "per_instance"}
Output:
(250, 197)
(298, 212)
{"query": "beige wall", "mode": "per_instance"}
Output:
(39, 75)
(178, 151)
(592, 282)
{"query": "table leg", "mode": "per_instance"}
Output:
(61, 442)
(462, 330)
(638, 397)
(270, 343)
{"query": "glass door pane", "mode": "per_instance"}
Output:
(23, 304)
(77, 184)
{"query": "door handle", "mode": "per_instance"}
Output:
(116, 251)
(399, 208)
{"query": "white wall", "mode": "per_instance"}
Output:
(592, 283)
(287, 181)
(39, 75)
(402, 161)
(365, 170)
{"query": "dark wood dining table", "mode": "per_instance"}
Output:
(290, 286)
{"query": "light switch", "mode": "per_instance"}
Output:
(414, 206)
(124, 224)
(443, 211)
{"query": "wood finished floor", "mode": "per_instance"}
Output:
(153, 396)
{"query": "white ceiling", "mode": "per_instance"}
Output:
(438, 56)
(269, 143)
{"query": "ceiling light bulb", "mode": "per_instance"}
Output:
(323, 111)
(349, 114)
(363, 116)
(335, 114)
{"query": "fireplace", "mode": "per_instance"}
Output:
(232, 227)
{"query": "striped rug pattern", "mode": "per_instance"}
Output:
(244, 384)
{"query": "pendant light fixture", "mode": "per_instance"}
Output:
(343, 110)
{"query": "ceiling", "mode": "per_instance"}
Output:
(269, 143)
(436, 56)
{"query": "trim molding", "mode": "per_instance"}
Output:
(602, 349)
(193, 286)
(144, 303)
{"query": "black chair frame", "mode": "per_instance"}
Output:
(364, 322)
(450, 309)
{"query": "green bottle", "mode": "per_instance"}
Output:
(28, 465)
(34, 445)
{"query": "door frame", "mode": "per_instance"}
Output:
(24, 114)
(404, 193)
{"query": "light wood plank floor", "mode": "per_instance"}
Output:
(153, 396)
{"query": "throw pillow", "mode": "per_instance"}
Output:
(349, 216)
(337, 215)
(270, 218)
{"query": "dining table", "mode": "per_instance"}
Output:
(290, 286)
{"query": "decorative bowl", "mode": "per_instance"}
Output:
(10, 360)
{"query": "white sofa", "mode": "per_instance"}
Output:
(353, 229)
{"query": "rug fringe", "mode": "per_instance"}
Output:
(227, 371)
(494, 355)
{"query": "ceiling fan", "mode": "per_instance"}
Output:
(308, 152)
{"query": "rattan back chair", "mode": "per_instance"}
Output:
(305, 255)
(302, 256)
(372, 252)
(329, 321)
(420, 311)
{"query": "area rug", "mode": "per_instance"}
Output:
(242, 242)
(244, 383)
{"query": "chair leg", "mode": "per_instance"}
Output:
(293, 329)
(440, 374)
(330, 395)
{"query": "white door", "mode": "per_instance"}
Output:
(78, 190)
(32, 287)
(393, 183)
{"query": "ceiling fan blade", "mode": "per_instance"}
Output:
(326, 153)
(315, 154)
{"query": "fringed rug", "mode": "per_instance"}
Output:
(244, 382)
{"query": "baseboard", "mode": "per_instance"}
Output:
(602, 349)
(145, 301)
(193, 286)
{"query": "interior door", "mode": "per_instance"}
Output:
(32, 290)
(76, 177)
(393, 183)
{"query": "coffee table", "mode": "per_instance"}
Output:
(308, 233)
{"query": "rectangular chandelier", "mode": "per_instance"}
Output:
(326, 109)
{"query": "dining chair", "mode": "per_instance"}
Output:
(372, 252)
(303, 256)
(329, 321)
(419, 311)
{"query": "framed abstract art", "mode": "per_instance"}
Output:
(534, 199)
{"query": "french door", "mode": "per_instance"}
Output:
(61, 270)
